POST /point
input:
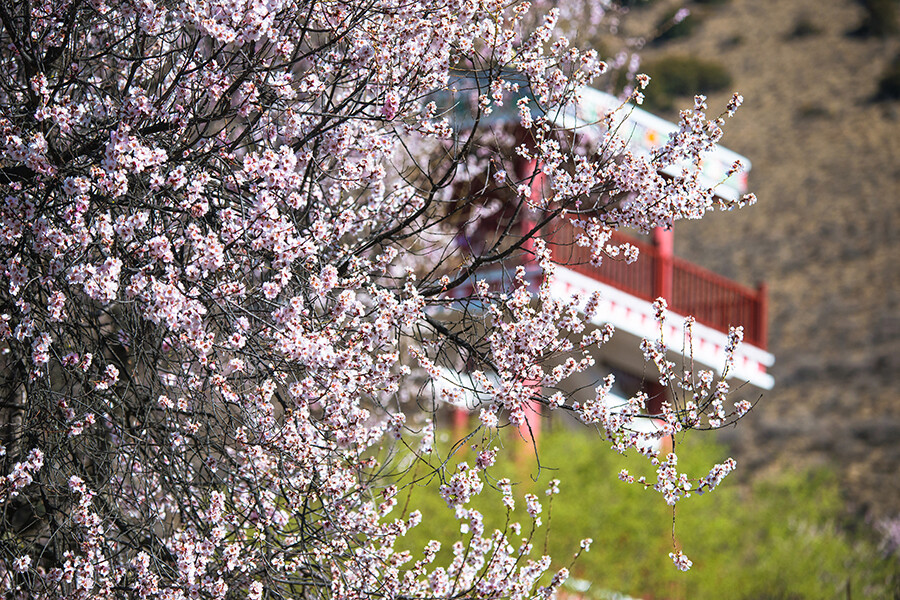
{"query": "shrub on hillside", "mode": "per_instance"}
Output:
(676, 76)
(880, 19)
(676, 24)
(804, 27)
(889, 85)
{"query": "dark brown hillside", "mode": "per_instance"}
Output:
(825, 234)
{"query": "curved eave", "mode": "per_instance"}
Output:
(634, 317)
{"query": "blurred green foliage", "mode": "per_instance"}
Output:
(778, 538)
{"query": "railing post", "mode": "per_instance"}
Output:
(762, 314)
(663, 266)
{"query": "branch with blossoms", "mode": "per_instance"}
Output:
(238, 240)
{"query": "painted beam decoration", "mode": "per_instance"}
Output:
(642, 130)
(635, 317)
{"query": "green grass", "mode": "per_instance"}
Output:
(779, 538)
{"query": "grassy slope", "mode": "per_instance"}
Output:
(776, 539)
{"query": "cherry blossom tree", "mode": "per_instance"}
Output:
(240, 237)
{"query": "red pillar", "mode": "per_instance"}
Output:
(762, 316)
(529, 173)
(663, 285)
(532, 424)
(460, 422)
(663, 268)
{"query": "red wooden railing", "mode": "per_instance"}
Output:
(712, 299)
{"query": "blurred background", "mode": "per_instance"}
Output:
(821, 124)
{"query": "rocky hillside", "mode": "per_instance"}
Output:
(825, 234)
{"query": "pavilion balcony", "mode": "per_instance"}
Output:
(627, 290)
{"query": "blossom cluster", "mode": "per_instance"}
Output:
(233, 242)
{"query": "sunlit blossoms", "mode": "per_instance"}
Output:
(251, 248)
